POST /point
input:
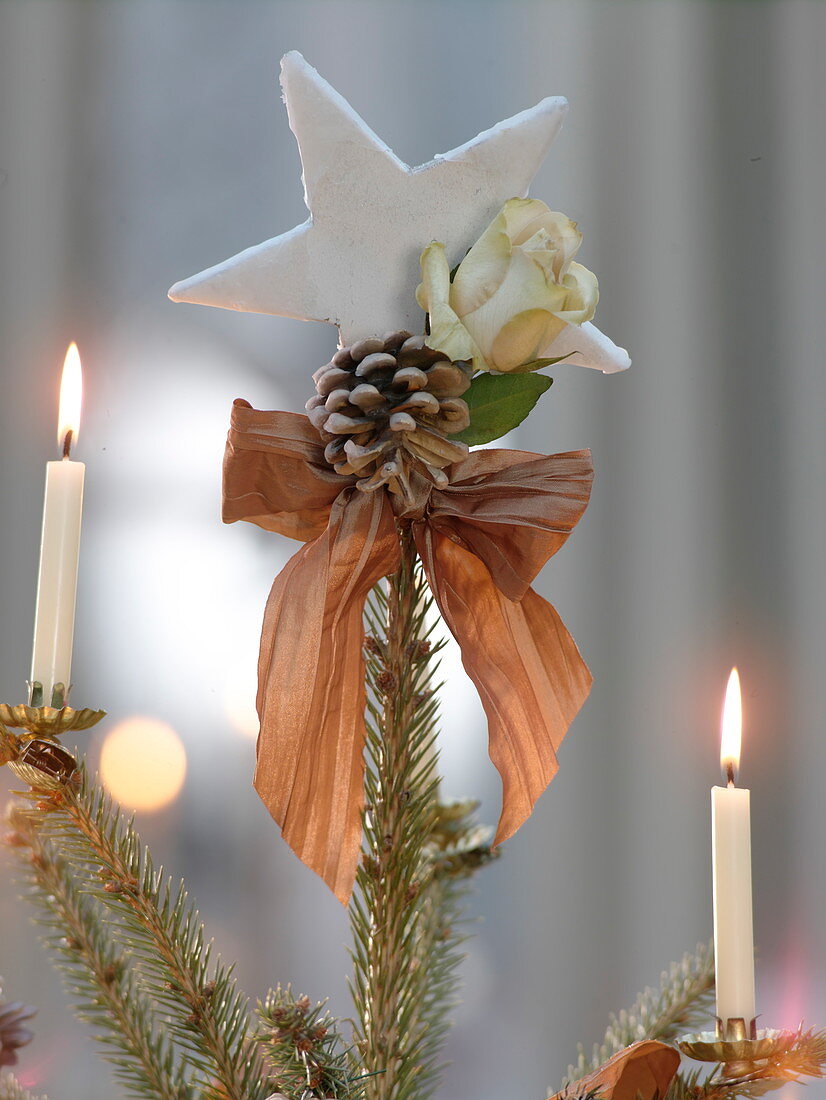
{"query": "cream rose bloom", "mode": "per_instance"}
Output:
(513, 293)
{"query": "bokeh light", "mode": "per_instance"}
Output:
(143, 763)
(239, 699)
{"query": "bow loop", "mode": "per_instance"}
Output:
(513, 510)
(275, 474)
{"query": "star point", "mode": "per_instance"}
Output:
(355, 262)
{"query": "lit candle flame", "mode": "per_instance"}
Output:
(71, 393)
(731, 727)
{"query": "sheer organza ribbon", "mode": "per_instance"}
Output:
(482, 541)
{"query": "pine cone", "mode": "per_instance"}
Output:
(12, 1033)
(385, 407)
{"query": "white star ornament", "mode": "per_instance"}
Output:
(355, 261)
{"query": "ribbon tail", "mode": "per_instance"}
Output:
(526, 667)
(311, 693)
(643, 1071)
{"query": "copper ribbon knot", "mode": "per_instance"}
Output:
(482, 540)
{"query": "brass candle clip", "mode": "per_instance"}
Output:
(740, 1048)
(29, 737)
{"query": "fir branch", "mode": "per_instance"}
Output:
(11, 1089)
(683, 1000)
(96, 973)
(302, 1042)
(696, 1086)
(805, 1058)
(164, 935)
(456, 848)
(403, 914)
(459, 845)
(438, 957)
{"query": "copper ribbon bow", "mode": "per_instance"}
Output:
(482, 540)
(643, 1071)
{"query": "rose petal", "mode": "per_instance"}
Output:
(525, 217)
(525, 287)
(435, 285)
(585, 346)
(520, 340)
(447, 333)
(558, 233)
(582, 294)
(482, 271)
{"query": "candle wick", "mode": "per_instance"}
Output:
(67, 443)
(730, 773)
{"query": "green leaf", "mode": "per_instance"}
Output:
(498, 403)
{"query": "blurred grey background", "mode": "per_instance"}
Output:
(143, 140)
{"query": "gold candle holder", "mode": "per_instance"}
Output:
(29, 740)
(739, 1047)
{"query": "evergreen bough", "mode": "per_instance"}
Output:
(167, 1012)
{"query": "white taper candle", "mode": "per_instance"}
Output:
(54, 622)
(731, 856)
(733, 933)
